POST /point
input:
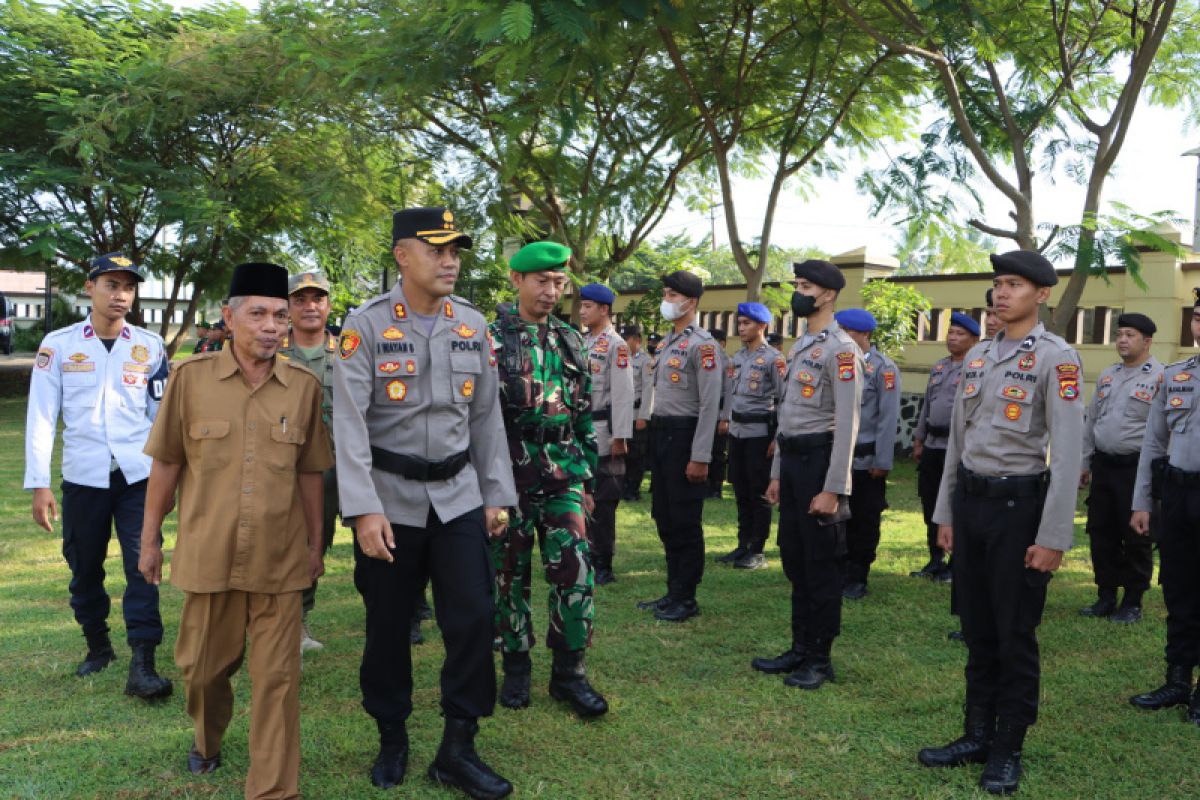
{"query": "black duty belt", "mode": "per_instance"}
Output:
(419, 469)
(662, 421)
(941, 431)
(804, 442)
(541, 434)
(978, 485)
(1179, 477)
(863, 449)
(603, 415)
(1124, 460)
(744, 417)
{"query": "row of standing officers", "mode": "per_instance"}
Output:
(461, 444)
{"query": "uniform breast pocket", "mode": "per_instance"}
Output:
(805, 387)
(1137, 408)
(464, 376)
(1014, 412)
(211, 438)
(134, 390)
(676, 378)
(284, 449)
(79, 389)
(1179, 411)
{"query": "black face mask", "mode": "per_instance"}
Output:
(802, 304)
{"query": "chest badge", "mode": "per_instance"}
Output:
(1143, 395)
(1182, 377)
(392, 333)
(804, 376)
(975, 363)
(389, 367)
(1175, 402)
(77, 357)
(468, 388)
(595, 367)
(1026, 362)
(674, 362)
(1015, 393)
(140, 353)
(399, 311)
(808, 390)
(816, 353)
(760, 360)
(674, 377)
(1012, 411)
(464, 331)
(396, 390)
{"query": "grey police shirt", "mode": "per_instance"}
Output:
(880, 415)
(1173, 428)
(611, 369)
(686, 382)
(944, 377)
(1116, 417)
(754, 383)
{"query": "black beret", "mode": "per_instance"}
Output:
(685, 283)
(774, 339)
(654, 338)
(990, 302)
(822, 273)
(259, 279)
(718, 334)
(1196, 297)
(1139, 322)
(434, 224)
(630, 331)
(1027, 264)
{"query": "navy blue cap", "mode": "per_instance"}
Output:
(822, 273)
(755, 312)
(597, 293)
(966, 323)
(856, 319)
(113, 262)
(1027, 264)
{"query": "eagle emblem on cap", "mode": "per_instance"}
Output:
(121, 261)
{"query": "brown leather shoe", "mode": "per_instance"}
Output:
(199, 765)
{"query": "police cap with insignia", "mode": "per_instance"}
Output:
(433, 224)
(259, 279)
(961, 320)
(1026, 264)
(597, 293)
(113, 262)
(541, 257)
(685, 283)
(822, 273)
(308, 280)
(856, 319)
(1139, 322)
(755, 312)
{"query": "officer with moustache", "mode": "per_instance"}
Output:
(1112, 441)
(639, 363)
(683, 406)
(1169, 470)
(810, 475)
(424, 478)
(873, 452)
(1006, 516)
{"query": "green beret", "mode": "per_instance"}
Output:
(540, 257)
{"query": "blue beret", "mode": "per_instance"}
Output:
(856, 319)
(966, 323)
(597, 293)
(1027, 264)
(113, 262)
(755, 312)
(540, 257)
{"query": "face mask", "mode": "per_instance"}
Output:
(670, 311)
(802, 304)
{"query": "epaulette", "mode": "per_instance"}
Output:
(193, 359)
(1054, 338)
(376, 300)
(465, 302)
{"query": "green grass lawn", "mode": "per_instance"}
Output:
(689, 718)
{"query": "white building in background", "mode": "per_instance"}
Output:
(26, 291)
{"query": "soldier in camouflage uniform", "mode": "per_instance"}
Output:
(545, 396)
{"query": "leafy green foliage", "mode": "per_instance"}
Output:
(896, 308)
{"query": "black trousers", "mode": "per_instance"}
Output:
(1120, 557)
(813, 555)
(602, 527)
(868, 500)
(635, 460)
(678, 508)
(716, 468)
(750, 472)
(929, 480)
(89, 516)
(1000, 602)
(1179, 568)
(328, 528)
(455, 555)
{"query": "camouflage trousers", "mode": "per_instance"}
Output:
(557, 522)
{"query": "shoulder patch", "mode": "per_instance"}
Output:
(889, 380)
(44, 358)
(1068, 381)
(349, 343)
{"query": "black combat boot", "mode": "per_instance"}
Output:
(971, 748)
(751, 561)
(1177, 691)
(392, 762)
(1002, 775)
(855, 591)
(514, 692)
(144, 681)
(568, 682)
(99, 654)
(677, 611)
(787, 661)
(733, 555)
(931, 570)
(816, 669)
(604, 573)
(655, 604)
(414, 631)
(457, 764)
(1106, 604)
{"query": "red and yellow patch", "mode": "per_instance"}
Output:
(392, 332)
(889, 380)
(816, 352)
(349, 343)
(44, 356)
(1012, 411)
(596, 367)
(601, 345)
(468, 388)
(464, 331)
(77, 357)
(808, 390)
(845, 372)
(396, 390)
(674, 363)
(140, 353)
(674, 377)
(622, 357)
(975, 363)
(708, 356)
(781, 367)
(388, 367)
(1027, 361)
(399, 311)
(448, 309)
(804, 376)
(1014, 392)
(1143, 395)
(845, 358)
(1182, 377)
(410, 367)
(1175, 402)
(754, 386)
(1068, 381)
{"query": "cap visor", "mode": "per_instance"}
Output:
(461, 239)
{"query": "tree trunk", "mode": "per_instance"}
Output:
(1069, 302)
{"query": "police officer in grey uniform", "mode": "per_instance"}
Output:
(1112, 441)
(810, 474)
(754, 382)
(682, 404)
(1006, 516)
(424, 476)
(611, 368)
(635, 459)
(873, 452)
(1170, 460)
(932, 434)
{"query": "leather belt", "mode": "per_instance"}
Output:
(662, 421)
(1179, 477)
(804, 442)
(863, 449)
(746, 417)
(978, 485)
(1125, 460)
(419, 469)
(941, 431)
